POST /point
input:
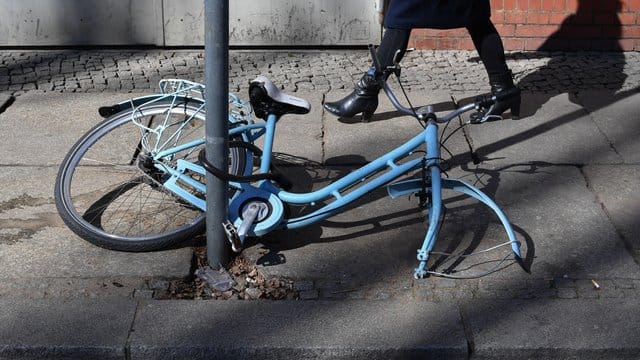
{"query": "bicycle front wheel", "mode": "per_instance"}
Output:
(109, 189)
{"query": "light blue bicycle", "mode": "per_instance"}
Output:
(135, 182)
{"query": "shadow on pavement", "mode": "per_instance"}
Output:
(580, 31)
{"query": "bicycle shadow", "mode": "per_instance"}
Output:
(371, 223)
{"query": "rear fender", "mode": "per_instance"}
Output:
(106, 111)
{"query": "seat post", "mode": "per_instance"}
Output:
(265, 161)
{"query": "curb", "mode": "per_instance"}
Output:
(126, 329)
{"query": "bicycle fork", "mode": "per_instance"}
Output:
(435, 201)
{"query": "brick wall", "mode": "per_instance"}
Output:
(602, 25)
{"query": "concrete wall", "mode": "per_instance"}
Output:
(80, 22)
(181, 22)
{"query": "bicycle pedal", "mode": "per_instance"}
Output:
(232, 236)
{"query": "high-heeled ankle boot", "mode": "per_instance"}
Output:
(501, 83)
(363, 99)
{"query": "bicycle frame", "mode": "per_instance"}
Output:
(340, 193)
(358, 182)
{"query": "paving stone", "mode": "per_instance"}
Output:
(275, 330)
(67, 117)
(572, 328)
(584, 245)
(553, 130)
(616, 115)
(65, 329)
(617, 188)
(45, 248)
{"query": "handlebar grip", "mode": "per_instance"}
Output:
(487, 100)
(484, 101)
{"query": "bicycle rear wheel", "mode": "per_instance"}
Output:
(109, 187)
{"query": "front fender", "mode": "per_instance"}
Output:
(410, 186)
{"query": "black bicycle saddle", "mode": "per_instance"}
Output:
(266, 98)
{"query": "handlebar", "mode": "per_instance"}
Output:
(426, 113)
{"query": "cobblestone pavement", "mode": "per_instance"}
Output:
(140, 70)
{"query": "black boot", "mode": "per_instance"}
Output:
(502, 83)
(363, 99)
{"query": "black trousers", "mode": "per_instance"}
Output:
(484, 35)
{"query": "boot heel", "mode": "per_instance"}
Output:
(369, 109)
(515, 109)
(366, 115)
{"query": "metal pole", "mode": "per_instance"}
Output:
(216, 127)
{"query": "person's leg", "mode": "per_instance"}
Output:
(393, 40)
(488, 43)
(364, 98)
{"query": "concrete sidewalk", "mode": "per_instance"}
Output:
(567, 176)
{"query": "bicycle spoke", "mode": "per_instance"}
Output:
(110, 188)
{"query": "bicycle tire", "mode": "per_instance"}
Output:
(107, 194)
